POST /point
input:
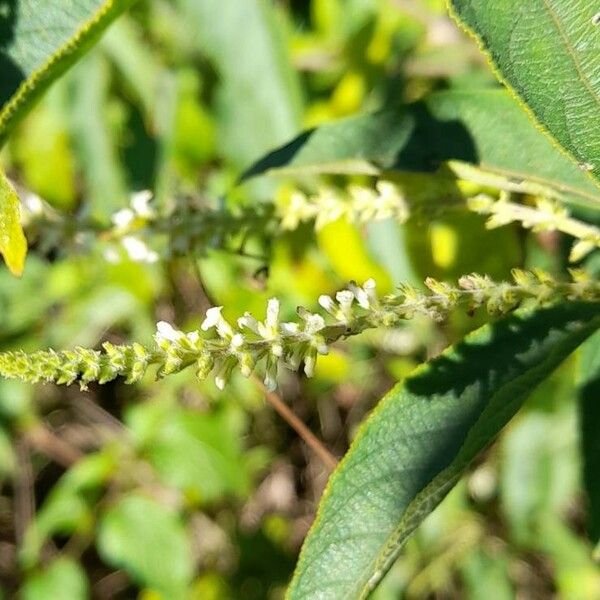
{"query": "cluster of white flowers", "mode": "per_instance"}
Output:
(547, 215)
(252, 341)
(127, 223)
(358, 204)
(353, 311)
(220, 347)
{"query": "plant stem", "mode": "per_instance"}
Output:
(309, 438)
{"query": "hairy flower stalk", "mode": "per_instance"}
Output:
(358, 204)
(139, 233)
(547, 215)
(220, 347)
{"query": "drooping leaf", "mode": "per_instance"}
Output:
(39, 42)
(485, 128)
(548, 53)
(63, 578)
(419, 440)
(149, 542)
(13, 245)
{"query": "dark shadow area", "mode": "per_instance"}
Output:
(408, 138)
(11, 75)
(280, 157)
(589, 419)
(433, 142)
(500, 359)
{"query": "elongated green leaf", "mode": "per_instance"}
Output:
(259, 99)
(485, 128)
(419, 440)
(548, 53)
(39, 41)
(102, 170)
(13, 245)
(589, 410)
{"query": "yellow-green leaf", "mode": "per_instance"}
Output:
(13, 245)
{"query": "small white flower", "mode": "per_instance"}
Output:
(140, 203)
(290, 328)
(270, 379)
(213, 316)
(165, 332)
(215, 319)
(365, 295)
(237, 341)
(313, 322)
(123, 218)
(269, 330)
(137, 250)
(272, 319)
(328, 304)
(345, 299)
(297, 211)
(249, 322)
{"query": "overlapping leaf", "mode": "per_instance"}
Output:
(419, 441)
(548, 52)
(485, 128)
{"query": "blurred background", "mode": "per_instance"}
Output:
(173, 488)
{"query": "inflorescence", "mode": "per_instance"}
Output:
(547, 215)
(219, 347)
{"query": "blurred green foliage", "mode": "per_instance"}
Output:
(173, 489)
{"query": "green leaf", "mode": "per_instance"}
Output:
(69, 507)
(94, 139)
(197, 453)
(63, 578)
(39, 42)
(258, 100)
(588, 393)
(485, 128)
(548, 53)
(13, 245)
(419, 440)
(149, 541)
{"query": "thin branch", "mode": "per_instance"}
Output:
(309, 438)
(24, 508)
(46, 442)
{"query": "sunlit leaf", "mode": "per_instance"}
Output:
(13, 245)
(447, 126)
(548, 53)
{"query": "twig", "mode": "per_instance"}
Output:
(298, 426)
(23, 489)
(45, 441)
(110, 585)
